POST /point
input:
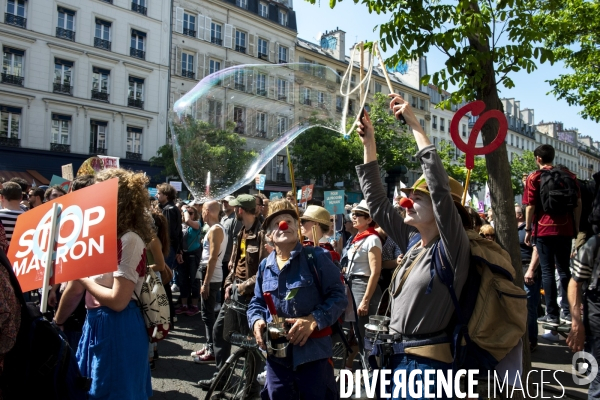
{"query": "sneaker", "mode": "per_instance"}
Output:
(565, 319)
(548, 320)
(205, 384)
(174, 288)
(192, 310)
(199, 352)
(551, 337)
(262, 378)
(205, 358)
(182, 310)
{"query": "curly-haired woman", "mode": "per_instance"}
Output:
(113, 348)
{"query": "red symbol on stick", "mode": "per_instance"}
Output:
(476, 108)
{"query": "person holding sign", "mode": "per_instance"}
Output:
(113, 350)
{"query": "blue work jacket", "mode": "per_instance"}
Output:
(295, 280)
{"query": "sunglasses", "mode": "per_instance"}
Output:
(357, 215)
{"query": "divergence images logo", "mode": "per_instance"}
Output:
(590, 364)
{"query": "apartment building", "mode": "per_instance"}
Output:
(81, 78)
(589, 157)
(564, 142)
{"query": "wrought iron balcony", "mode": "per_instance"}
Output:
(338, 109)
(261, 92)
(216, 40)
(65, 34)
(282, 97)
(63, 88)
(138, 8)
(263, 56)
(189, 32)
(187, 74)
(100, 95)
(12, 79)
(307, 102)
(240, 49)
(137, 53)
(102, 44)
(282, 61)
(10, 142)
(280, 177)
(239, 86)
(97, 150)
(261, 133)
(12, 19)
(133, 156)
(137, 103)
(60, 148)
(434, 126)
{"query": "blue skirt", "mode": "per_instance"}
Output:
(113, 351)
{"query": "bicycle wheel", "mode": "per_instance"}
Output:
(234, 380)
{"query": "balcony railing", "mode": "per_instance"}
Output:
(282, 61)
(280, 177)
(10, 142)
(133, 156)
(137, 103)
(434, 126)
(338, 109)
(100, 95)
(102, 44)
(306, 102)
(12, 79)
(62, 88)
(263, 56)
(15, 20)
(138, 8)
(216, 40)
(189, 32)
(442, 128)
(240, 49)
(239, 86)
(261, 133)
(137, 53)
(282, 97)
(65, 34)
(187, 74)
(261, 92)
(60, 148)
(97, 150)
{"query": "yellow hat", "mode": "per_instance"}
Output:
(456, 189)
(316, 214)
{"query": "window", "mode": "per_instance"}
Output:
(242, 3)
(214, 66)
(282, 124)
(12, 66)
(413, 101)
(189, 24)
(240, 41)
(281, 89)
(100, 84)
(137, 44)
(187, 65)
(215, 33)
(261, 124)
(263, 48)
(63, 71)
(377, 87)
(511, 140)
(338, 104)
(215, 111)
(102, 34)
(464, 130)
(434, 121)
(238, 80)
(305, 96)
(239, 119)
(65, 28)
(261, 84)
(351, 106)
(139, 6)
(280, 168)
(322, 100)
(283, 55)
(422, 104)
(98, 137)
(134, 143)
(263, 9)
(422, 122)
(10, 124)
(353, 80)
(15, 13)
(136, 92)
(435, 141)
(60, 129)
(338, 78)
(442, 125)
(283, 17)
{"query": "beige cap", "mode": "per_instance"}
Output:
(316, 214)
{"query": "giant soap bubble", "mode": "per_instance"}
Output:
(229, 127)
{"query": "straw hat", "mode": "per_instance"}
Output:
(456, 189)
(362, 207)
(316, 214)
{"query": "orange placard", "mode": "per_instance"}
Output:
(86, 240)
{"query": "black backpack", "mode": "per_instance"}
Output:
(41, 365)
(558, 191)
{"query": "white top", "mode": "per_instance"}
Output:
(359, 265)
(217, 276)
(131, 266)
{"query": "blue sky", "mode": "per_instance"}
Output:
(530, 89)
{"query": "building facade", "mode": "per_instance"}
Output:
(589, 157)
(564, 142)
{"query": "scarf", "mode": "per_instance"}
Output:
(364, 234)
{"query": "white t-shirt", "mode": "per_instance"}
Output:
(359, 264)
(131, 266)
(217, 276)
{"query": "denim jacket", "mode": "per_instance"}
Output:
(296, 276)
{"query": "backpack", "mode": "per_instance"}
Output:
(558, 191)
(41, 364)
(154, 303)
(491, 315)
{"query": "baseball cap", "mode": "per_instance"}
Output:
(246, 201)
(229, 198)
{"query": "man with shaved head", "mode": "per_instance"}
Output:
(214, 246)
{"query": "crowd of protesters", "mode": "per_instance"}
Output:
(241, 247)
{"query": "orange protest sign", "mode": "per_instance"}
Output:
(86, 237)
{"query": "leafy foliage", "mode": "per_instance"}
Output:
(456, 167)
(523, 165)
(164, 158)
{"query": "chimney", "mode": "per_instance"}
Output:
(335, 43)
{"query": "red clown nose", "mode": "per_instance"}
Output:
(405, 202)
(283, 226)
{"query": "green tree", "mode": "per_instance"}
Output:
(164, 159)
(456, 166)
(572, 28)
(522, 165)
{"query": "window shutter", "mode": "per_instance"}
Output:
(271, 126)
(251, 45)
(178, 60)
(204, 115)
(272, 51)
(179, 19)
(250, 121)
(272, 87)
(291, 55)
(276, 59)
(255, 47)
(228, 36)
(228, 81)
(207, 23)
(290, 88)
(200, 24)
(250, 83)
(201, 66)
